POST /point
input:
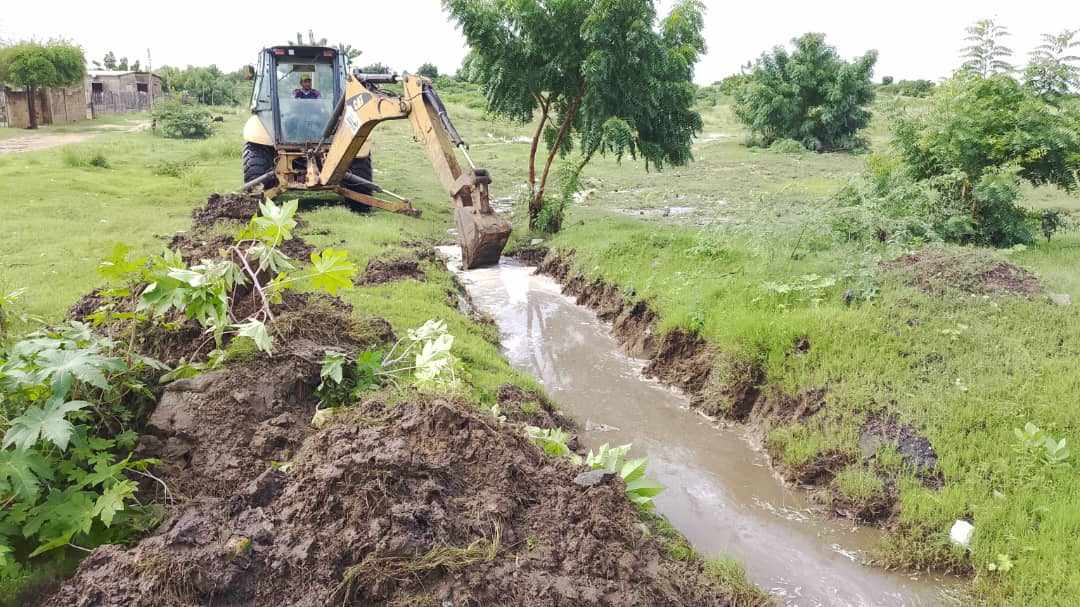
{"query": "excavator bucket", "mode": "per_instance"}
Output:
(482, 236)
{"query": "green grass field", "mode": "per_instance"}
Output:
(747, 259)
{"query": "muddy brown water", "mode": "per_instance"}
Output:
(721, 492)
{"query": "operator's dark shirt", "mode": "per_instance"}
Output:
(309, 94)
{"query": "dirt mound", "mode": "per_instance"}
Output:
(530, 256)
(944, 270)
(378, 271)
(422, 503)
(233, 208)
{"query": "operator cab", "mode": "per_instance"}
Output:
(293, 113)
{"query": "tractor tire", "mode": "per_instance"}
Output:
(258, 160)
(361, 167)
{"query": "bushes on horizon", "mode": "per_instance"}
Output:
(809, 95)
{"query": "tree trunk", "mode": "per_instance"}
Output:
(534, 207)
(536, 139)
(30, 92)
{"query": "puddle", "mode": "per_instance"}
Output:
(663, 212)
(721, 492)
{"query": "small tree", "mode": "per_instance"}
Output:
(33, 65)
(809, 95)
(985, 55)
(110, 61)
(428, 70)
(975, 140)
(1052, 71)
(123, 67)
(600, 70)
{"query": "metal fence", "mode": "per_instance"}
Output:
(118, 102)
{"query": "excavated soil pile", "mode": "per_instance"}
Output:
(378, 271)
(229, 208)
(415, 504)
(939, 270)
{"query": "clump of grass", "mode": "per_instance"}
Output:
(81, 158)
(241, 350)
(787, 146)
(729, 577)
(859, 484)
(450, 558)
(675, 544)
(173, 168)
(195, 178)
(218, 148)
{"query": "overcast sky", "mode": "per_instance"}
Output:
(915, 38)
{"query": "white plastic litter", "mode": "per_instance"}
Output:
(961, 532)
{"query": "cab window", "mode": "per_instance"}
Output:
(304, 109)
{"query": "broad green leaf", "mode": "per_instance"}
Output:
(645, 486)
(20, 472)
(333, 365)
(331, 270)
(256, 330)
(429, 330)
(47, 423)
(6, 559)
(60, 517)
(633, 469)
(275, 223)
(85, 365)
(188, 277)
(112, 500)
(117, 267)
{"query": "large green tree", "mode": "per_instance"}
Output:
(809, 94)
(603, 72)
(33, 65)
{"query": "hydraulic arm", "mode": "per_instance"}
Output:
(481, 232)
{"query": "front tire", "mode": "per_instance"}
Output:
(258, 160)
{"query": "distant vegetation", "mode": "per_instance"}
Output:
(808, 95)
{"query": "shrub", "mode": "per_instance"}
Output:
(176, 119)
(787, 146)
(914, 88)
(973, 143)
(809, 95)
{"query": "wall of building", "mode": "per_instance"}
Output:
(52, 106)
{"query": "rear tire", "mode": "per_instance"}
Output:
(258, 160)
(361, 167)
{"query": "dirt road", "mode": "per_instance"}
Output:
(41, 141)
(31, 143)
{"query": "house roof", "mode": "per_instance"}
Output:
(99, 73)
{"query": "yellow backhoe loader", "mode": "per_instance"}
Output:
(310, 130)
